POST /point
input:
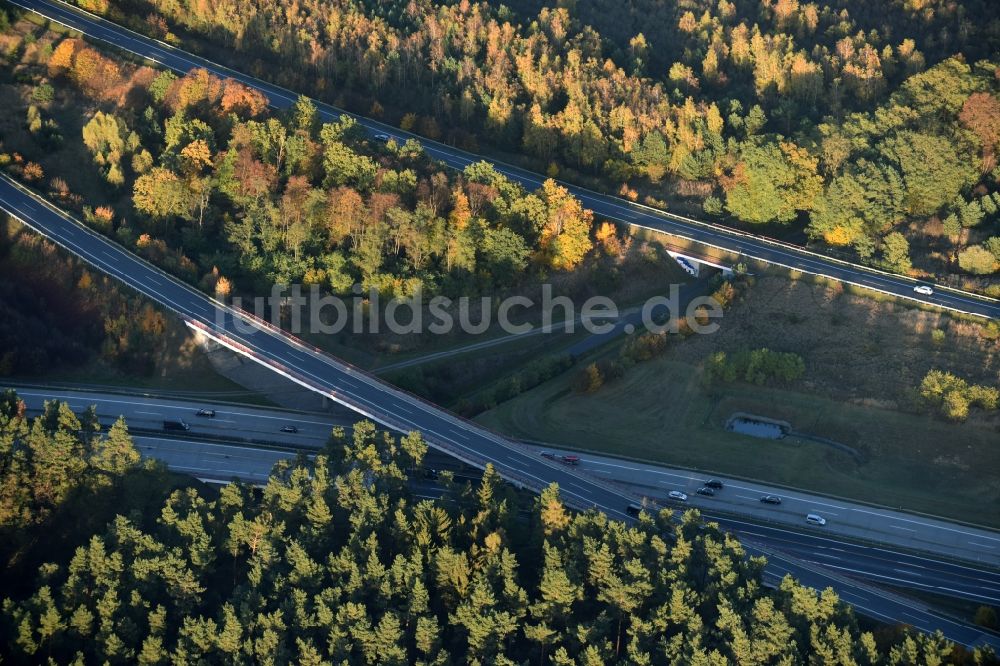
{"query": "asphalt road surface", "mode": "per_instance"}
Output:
(234, 422)
(221, 461)
(607, 206)
(849, 519)
(396, 409)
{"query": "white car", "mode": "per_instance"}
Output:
(815, 519)
(924, 289)
(677, 495)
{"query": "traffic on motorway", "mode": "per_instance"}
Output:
(395, 409)
(203, 453)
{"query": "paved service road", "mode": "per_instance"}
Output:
(611, 207)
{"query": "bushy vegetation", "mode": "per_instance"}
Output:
(757, 366)
(335, 561)
(952, 396)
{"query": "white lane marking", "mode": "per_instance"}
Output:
(898, 527)
(981, 545)
(805, 500)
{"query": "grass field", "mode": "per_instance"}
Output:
(662, 411)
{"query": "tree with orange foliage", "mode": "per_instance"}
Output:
(981, 115)
(345, 214)
(238, 98)
(461, 214)
(33, 172)
(62, 57)
(196, 156)
(607, 237)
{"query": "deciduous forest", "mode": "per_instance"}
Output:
(868, 129)
(107, 559)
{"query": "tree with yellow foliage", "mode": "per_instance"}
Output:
(565, 237)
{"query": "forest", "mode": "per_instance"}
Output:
(107, 558)
(195, 174)
(869, 130)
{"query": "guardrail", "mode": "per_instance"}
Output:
(463, 455)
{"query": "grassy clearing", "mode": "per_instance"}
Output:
(862, 359)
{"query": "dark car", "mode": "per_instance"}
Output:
(289, 428)
(633, 510)
(381, 138)
(705, 490)
(770, 499)
(714, 483)
(209, 413)
(546, 454)
(431, 474)
(176, 425)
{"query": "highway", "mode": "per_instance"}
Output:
(846, 520)
(219, 460)
(398, 410)
(390, 406)
(608, 206)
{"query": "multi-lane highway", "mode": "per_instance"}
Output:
(398, 410)
(202, 452)
(608, 206)
(740, 497)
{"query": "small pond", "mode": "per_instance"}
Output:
(755, 428)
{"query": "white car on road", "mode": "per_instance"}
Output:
(677, 495)
(924, 289)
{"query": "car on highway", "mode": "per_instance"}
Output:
(633, 510)
(706, 491)
(571, 460)
(770, 499)
(547, 454)
(714, 483)
(815, 519)
(677, 495)
(208, 413)
(289, 428)
(381, 137)
(175, 425)
(924, 289)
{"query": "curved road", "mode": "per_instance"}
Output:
(390, 406)
(748, 245)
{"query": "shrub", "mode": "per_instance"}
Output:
(952, 396)
(986, 616)
(589, 380)
(43, 92)
(977, 260)
(758, 366)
